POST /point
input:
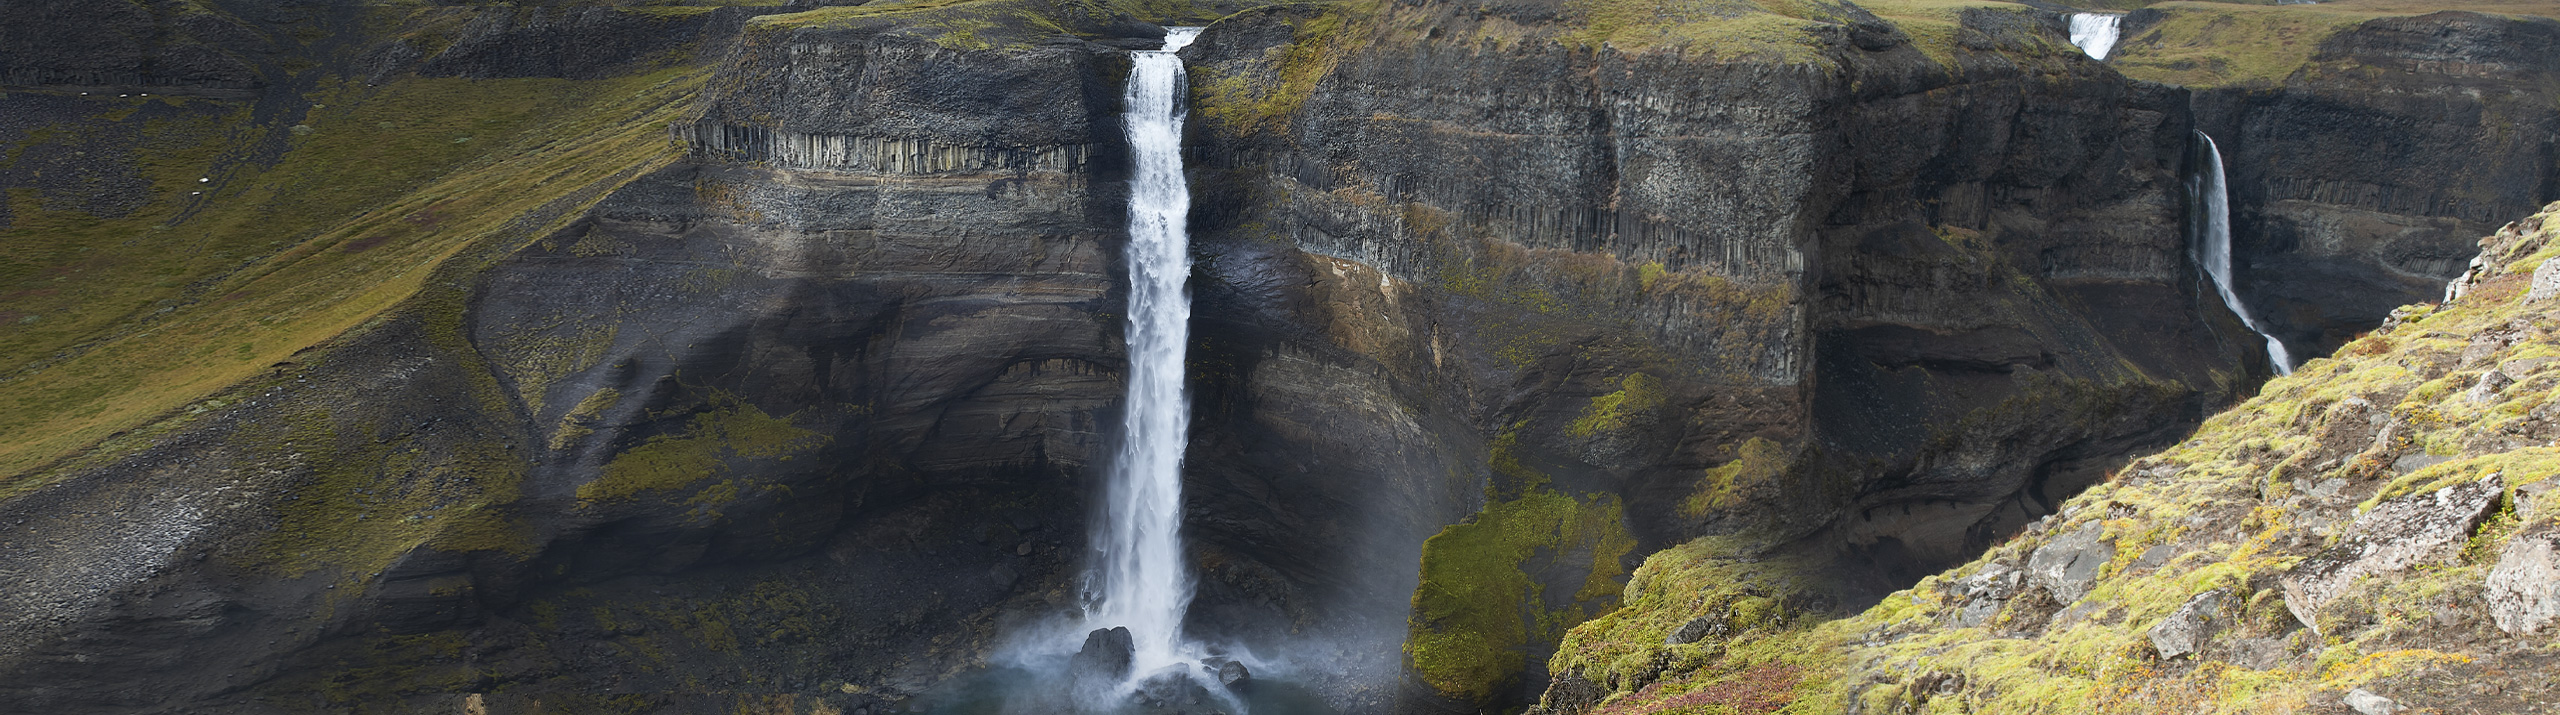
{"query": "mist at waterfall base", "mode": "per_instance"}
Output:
(1124, 650)
(2095, 33)
(2213, 246)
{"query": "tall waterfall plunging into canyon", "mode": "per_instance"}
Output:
(1138, 580)
(2213, 247)
(2095, 32)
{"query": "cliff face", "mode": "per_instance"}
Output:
(2371, 534)
(2450, 117)
(1866, 293)
(676, 357)
(645, 426)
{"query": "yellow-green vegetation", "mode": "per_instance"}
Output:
(1247, 103)
(2248, 496)
(1483, 600)
(2211, 44)
(986, 24)
(2204, 44)
(581, 419)
(1934, 25)
(1637, 394)
(372, 673)
(730, 430)
(1741, 612)
(1758, 461)
(370, 500)
(385, 185)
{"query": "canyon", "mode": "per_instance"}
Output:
(609, 357)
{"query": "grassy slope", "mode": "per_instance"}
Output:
(2225, 503)
(2213, 44)
(384, 185)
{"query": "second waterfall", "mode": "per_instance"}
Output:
(1138, 580)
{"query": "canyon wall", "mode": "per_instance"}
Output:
(745, 356)
(2366, 155)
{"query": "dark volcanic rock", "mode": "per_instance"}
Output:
(1104, 658)
(2361, 183)
(1910, 288)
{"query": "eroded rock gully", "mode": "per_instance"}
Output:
(807, 411)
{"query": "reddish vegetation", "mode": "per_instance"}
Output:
(363, 243)
(431, 216)
(1760, 690)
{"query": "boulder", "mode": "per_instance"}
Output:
(1984, 592)
(1105, 657)
(1712, 625)
(2546, 282)
(2067, 565)
(2187, 629)
(2396, 534)
(2486, 390)
(2365, 701)
(2523, 591)
(1233, 674)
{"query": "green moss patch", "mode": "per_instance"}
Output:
(1484, 598)
(2219, 44)
(702, 451)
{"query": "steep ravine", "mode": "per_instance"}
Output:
(2374, 533)
(2366, 152)
(762, 358)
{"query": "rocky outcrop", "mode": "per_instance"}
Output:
(2067, 565)
(2396, 534)
(2523, 591)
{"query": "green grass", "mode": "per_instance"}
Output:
(701, 452)
(979, 25)
(2220, 44)
(1477, 610)
(2213, 44)
(386, 185)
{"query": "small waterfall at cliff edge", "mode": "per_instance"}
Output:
(2213, 246)
(2094, 32)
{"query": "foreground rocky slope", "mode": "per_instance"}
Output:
(2375, 532)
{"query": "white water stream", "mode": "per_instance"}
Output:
(2213, 247)
(2094, 32)
(1139, 580)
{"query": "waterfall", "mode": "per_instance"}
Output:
(2094, 32)
(2213, 247)
(1138, 579)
